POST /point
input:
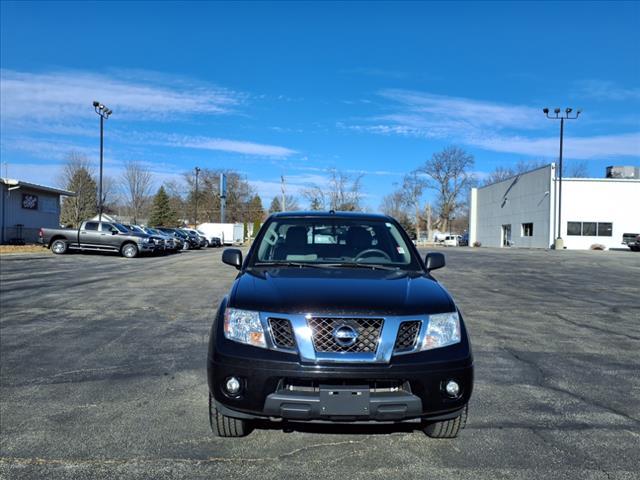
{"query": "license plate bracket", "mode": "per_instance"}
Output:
(344, 400)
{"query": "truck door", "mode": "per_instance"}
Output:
(107, 238)
(89, 234)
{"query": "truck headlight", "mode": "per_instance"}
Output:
(244, 326)
(443, 330)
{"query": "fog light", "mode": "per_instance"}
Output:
(232, 385)
(452, 388)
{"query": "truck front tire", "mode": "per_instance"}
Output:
(223, 426)
(59, 247)
(447, 428)
(129, 250)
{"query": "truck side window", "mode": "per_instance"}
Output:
(91, 226)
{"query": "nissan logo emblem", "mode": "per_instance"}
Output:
(345, 335)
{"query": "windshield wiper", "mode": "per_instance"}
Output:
(371, 266)
(289, 264)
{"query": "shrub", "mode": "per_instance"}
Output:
(597, 246)
(477, 244)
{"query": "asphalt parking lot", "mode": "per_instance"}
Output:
(102, 374)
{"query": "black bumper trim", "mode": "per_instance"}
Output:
(310, 406)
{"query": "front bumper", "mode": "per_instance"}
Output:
(266, 378)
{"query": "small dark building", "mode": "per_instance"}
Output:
(25, 208)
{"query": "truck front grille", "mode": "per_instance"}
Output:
(282, 333)
(407, 336)
(368, 330)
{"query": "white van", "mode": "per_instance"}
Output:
(451, 240)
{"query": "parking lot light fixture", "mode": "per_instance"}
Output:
(567, 116)
(104, 113)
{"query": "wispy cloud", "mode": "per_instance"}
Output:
(225, 145)
(582, 148)
(68, 94)
(493, 126)
(606, 90)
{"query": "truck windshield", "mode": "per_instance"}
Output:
(336, 241)
(120, 228)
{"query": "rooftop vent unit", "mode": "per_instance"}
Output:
(623, 172)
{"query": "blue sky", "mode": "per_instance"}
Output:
(293, 89)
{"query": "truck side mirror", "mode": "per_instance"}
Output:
(434, 261)
(233, 257)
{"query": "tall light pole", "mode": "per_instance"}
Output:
(103, 112)
(196, 209)
(559, 244)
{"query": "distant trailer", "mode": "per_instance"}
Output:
(228, 233)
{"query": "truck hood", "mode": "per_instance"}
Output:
(339, 291)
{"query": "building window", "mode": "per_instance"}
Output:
(527, 229)
(589, 229)
(605, 229)
(574, 228)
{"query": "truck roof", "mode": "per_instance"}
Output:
(332, 214)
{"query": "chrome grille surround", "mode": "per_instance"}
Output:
(323, 333)
(304, 342)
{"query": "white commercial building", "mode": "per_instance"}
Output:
(522, 211)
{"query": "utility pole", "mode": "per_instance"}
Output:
(559, 243)
(283, 207)
(104, 113)
(195, 219)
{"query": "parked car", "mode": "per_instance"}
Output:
(440, 237)
(187, 242)
(201, 238)
(215, 241)
(631, 240)
(158, 240)
(451, 240)
(352, 329)
(171, 242)
(97, 236)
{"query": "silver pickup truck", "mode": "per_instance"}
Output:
(100, 236)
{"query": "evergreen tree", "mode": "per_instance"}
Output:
(162, 214)
(275, 205)
(315, 204)
(84, 205)
(256, 213)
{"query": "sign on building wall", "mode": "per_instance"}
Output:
(29, 201)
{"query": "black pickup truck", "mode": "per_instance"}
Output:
(334, 317)
(103, 236)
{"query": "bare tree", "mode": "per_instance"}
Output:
(74, 161)
(451, 176)
(316, 197)
(109, 193)
(576, 170)
(395, 205)
(501, 173)
(77, 177)
(342, 192)
(136, 185)
(413, 186)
